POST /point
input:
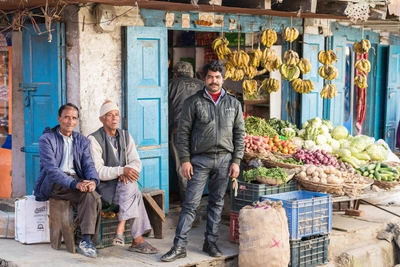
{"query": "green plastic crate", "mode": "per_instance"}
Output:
(309, 252)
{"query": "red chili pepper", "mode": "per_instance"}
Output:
(361, 105)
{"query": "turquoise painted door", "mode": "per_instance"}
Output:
(312, 103)
(146, 102)
(336, 104)
(392, 96)
(43, 65)
(380, 90)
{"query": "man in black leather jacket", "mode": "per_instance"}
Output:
(211, 146)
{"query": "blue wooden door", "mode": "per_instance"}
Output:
(146, 102)
(336, 104)
(392, 96)
(43, 65)
(312, 103)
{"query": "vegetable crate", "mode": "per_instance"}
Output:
(309, 251)
(107, 232)
(308, 213)
(234, 227)
(249, 192)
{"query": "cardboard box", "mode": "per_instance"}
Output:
(32, 221)
(7, 224)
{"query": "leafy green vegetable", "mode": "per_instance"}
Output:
(289, 133)
(258, 126)
(377, 152)
(277, 173)
(279, 125)
(339, 132)
(361, 142)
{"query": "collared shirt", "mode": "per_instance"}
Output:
(67, 162)
(219, 99)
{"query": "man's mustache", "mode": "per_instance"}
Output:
(214, 84)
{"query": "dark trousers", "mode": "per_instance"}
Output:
(216, 171)
(87, 205)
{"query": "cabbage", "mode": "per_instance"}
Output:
(320, 139)
(327, 148)
(328, 124)
(316, 122)
(323, 129)
(360, 142)
(339, 132)
(310, 145)
(377, 152)
(334, 144)
(344, 143)
(298, 141)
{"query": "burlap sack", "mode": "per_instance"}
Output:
(264, 235)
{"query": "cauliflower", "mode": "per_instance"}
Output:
(309, 145)
(320, 139)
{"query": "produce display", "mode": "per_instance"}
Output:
(256, 144)
(279, 125)
(379, 171)
(320, 174)
(269, 37)
(316, 157)
(262, 172)
(258, 126)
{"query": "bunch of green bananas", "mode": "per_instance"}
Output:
(361, 80)
(255, 57)
(290, 34)
(249, 88)
(362, 47)
(270, 60)
(328, 72)
(268, 37)
(270, 85)
(289, 72)
(363, 65)
(240, 59)
(220, 47)
(303, 86)
(327, 57)
(291, 58)
(328, 91)
(304, 65)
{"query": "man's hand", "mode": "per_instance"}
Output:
(123, 178)
(187, 170)
(234, 170)
(86, 186)
(131, 174)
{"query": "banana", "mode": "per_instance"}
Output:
(363, 65)
(361, 80)
(289, 72)
(304, 65)
(362, 47)
(270, 85)
(220, 47)
(269, 37)
(302, 86)
(328, 72)
(290, 34)
(327, 57)
(328, 91)
(291, 58)
(249, 88)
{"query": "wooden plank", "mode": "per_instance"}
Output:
(296, 5)
(259, 4)
(154, 206)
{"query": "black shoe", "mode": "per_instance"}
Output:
(174, 253)
(212, 249)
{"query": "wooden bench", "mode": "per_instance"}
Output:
(62, 224)
(154, 203)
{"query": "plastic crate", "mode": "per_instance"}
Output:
(234, 227)
(249, 192)
(308, 213)
(107, 232)
(309, 252)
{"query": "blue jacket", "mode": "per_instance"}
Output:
(51, 146)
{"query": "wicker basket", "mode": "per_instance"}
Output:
(386, 185)
(272, 161)
(273, 181)
(251, 155)
(334, 189)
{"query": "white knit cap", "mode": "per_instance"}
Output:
(107, 107)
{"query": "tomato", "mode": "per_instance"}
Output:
(285, 150)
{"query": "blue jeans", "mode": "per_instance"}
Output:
(216, 170)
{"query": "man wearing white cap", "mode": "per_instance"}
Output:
(118, 164)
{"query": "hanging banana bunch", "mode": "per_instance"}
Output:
(327, 57)
(290, 34)
(270, 85)
(328, 91)
(237, 74)
(289, 72)
(249, 88)
(240, 59)
(304, 65)
(362, 47)
(303, 86)
(291, 58)
(255, 57)
(361, 80)
(220, 47)
(270, 60)
(250, 71)
(363, 65)
(328, 72)
(268, 37)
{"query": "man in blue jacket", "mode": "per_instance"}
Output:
(67, 172)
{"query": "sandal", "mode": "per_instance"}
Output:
(144, 248)
(118, 240)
